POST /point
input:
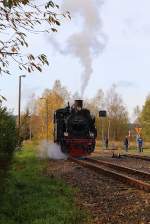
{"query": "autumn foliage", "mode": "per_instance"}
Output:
(42, 109)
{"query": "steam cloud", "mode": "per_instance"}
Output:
(51, 151)
(90, 40)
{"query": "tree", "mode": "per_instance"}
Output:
(8, 137)
(136, 113)
(18, 18)
(145, 119)
(2, 98)
(61, 91)
(94, 105)
(51, 99)
(25, 125)
(117, 114)
(8, 141)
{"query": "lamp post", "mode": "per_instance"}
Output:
(19, 103)
(108, 132)
(102, 114)
(30, 127)
(46, 104)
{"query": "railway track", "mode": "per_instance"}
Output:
(147, 158)
(133, 177)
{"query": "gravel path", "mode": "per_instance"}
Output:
(108, 201)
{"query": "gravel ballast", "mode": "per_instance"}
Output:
(107, 200)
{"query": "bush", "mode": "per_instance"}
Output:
(8, 140)
(8, 134)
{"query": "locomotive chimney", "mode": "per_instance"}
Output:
(78, 104)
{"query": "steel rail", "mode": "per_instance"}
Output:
(121, 168)
(118, 176)
(147, 158)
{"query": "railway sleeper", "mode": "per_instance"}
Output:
(121, 177)
(121, 168)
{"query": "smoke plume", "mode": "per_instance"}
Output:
(90, 39)
(51, 151)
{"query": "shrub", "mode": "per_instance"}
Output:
(8, 133)
(8, 140)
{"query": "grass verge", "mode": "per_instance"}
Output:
(32, 198)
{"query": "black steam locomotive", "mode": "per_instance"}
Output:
(74, 130)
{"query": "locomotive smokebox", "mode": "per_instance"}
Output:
(78, 104)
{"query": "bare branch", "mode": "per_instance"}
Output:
(20, 17)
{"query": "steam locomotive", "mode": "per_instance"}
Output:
(74, 130)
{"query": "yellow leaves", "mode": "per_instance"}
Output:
(10, 3)
(14, 50)
(54, 30)
(2, 98)
(53, 102)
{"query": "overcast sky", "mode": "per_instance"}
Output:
(119, 53)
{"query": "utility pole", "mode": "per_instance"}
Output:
(108, 128)
(102, 114)
(102, 132)
(47, 120)
(46, 107)
(19, 105)
(30, 127)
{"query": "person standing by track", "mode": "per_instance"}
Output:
(106, 140)
(140, 144)
(126, 143)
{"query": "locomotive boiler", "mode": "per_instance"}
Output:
(74, 130)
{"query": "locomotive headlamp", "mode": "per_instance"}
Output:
(79, 108)
(91, 134)
(65, 134)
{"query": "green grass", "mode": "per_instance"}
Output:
(32, 198)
